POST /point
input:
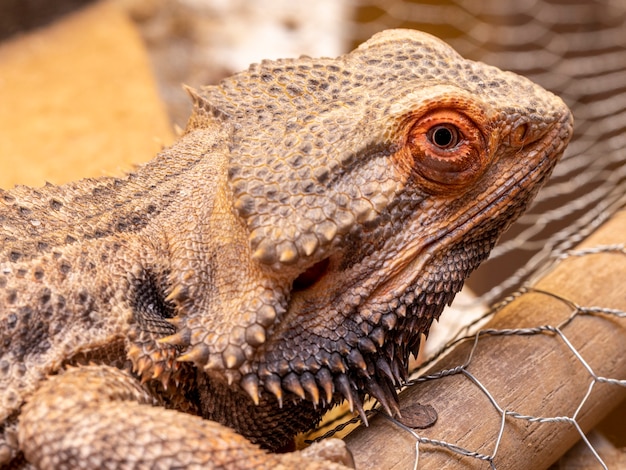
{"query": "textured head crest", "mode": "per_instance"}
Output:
(289, 165)
(332, 163)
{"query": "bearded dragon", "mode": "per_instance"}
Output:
(285, 254)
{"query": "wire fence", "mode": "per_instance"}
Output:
(559, 333)
(577, 49)
(566, 407)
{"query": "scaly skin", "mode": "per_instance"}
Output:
(285, 254)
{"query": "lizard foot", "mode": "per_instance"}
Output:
(101, 417)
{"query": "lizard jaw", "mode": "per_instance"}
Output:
(375, 363)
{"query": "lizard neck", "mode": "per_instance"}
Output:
(84, 262)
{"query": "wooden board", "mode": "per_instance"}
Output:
(78, 99)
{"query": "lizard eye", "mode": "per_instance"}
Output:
(444, 136)
(446, 149)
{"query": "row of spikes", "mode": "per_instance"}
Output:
(367, 368)
(383, 369)
(199, 353)
(323, 389)
(160, 365)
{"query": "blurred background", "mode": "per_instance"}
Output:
(93, 87)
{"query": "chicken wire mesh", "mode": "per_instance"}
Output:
(577, 49)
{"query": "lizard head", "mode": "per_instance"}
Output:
(369, 187)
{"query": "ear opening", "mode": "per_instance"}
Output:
(311, 275)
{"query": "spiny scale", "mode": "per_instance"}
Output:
(359, 408)
(293, 385)
(366, 345)
(383, 366)
(325, 380)
(308, 383)
(343, 386)
(199, 355)
(385, 397)
(180, 338)
(157, 370)
(250, 383)
(272, 385)
(356, 359)
(233, 356)
(178, 294)
(176, 321)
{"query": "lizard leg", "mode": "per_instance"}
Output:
(101, 417)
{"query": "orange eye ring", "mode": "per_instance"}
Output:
(448, 150)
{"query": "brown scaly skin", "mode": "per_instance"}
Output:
(286, 253)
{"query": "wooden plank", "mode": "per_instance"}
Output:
(78, 99)
(533, 375)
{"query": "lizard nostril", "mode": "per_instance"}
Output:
(521, 135)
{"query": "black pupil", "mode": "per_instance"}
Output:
(443, 137)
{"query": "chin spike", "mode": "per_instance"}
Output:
(355, 358)
(177, 322)
(391, 392)
(143, 366)
(308, 383)
(180, 338)
(336, 364)
(343, 386)
(178, 293)
(214, 363)
(359, 408)
(231, 376)
(157, 370)
(165, 379)
(325, 380)
(134, 352)
(383, 366)
(291, 382)
(378, 336)
(233, 356)
(366, 345)
(272, 385)
(398, 373)
(250, 383)
(384, 396)
(199, 355)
